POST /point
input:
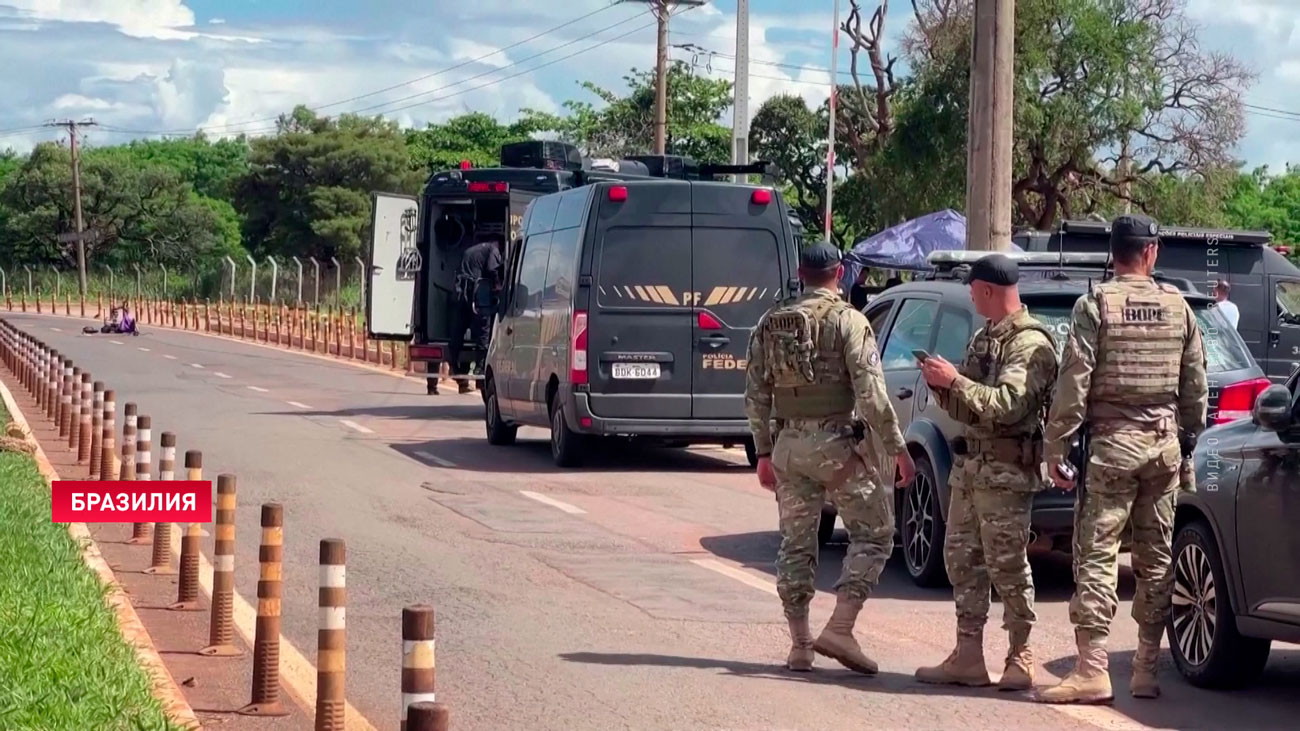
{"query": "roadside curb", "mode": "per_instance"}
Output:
(129, 625)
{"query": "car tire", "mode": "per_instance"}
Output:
(1202, 628)
(499, 433)
(751, 453)
(567, 446)
(923, 529)
(826, 528)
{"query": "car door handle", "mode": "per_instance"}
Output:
(715, 341)
(510, 329)
(903, 393)
(1274, 336)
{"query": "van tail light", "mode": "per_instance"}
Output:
(578, 349)
(481, 187)
(761, 197)
(707, 321)
(618, 193)
(426, 352)
(1237, 400)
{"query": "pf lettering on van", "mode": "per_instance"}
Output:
(723, 362)
(660, 294)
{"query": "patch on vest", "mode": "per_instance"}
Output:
(874, 359)
(1144, 313)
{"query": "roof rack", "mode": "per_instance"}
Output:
(1180, 233)
(943, 260)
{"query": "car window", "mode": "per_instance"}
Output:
(527, 296)
(911, 331)
(1224, 348)
(644, 266)
(1288, 302)
(877, 317)
(953, 335)
(736, 271)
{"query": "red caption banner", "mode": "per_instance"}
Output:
(177, 501)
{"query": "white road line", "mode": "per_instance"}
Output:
(169, 357)
(196, 365)
(298, 404)
(570, 509)
(219, 374)
(57, 329)
(735, 573)
(259, 389)
(355, 426)
(117, 342)
(435, 459)
(143, 350)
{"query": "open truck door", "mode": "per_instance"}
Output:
(394, 267)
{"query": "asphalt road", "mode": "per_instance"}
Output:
(634, 593)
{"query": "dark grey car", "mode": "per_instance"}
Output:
(1236, 548)
(937, 316)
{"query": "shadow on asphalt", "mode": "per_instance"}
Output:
(441, 412)
(529, 456)
(1053, 577)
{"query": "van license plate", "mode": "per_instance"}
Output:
(636, 370)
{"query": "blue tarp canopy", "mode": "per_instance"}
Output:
(907, 245)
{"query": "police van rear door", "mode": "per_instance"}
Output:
(639, 350)
(741, 251)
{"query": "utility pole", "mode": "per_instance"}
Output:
(76, 194)
(988, 168)
(662, 10)
(740, 105)
(830, 136)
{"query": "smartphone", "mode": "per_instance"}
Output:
(920, 355)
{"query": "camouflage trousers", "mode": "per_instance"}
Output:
(1132, 476)
(988, 534)
(815, 460)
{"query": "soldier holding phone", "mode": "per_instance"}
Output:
(1000, 393)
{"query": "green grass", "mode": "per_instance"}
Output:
(63, 664)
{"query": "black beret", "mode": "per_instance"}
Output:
(1134, 227)
(996, 269)
(819, 257)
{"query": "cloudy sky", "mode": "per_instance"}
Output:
(147, 67)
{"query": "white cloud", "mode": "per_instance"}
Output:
(140, 18)
(217, 21)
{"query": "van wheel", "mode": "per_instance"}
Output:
(751, 453)
(826, 528)
(566, 446)
(923, 528)
(499, 433)
(1203, 636)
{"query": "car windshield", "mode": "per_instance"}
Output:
(1224, 349)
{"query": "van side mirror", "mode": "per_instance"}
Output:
(1272, 409)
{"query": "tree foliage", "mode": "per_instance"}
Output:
(476, 137)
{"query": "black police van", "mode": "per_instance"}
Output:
(1265, 285)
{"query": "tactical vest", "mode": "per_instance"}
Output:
(805, 360)
(982, 364)
(1140, 343)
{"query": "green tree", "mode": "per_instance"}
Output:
(307, 190)
(210, 167)
(787, 133)
(476, 137)
(1263, 202)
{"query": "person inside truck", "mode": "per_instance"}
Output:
(1226, 306)
(478, 280)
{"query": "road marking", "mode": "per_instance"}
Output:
(57, 329)
(117, 342)
(353, 425)
(735, 573)
(196, 365)
(570, 509)
(219, 374)
(435, 459)
(296, 671)
(170, 357)
(298, 404)
(259, 389)
(143, 350)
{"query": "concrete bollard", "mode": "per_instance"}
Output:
(187, 589)
(107, 441)
(161, 560)
(142, 533)
(52, 380)
(221, 629)
(96, 432)
(84, 419)
(428, 717)
(266, 642)
(331, 636)
(127, 468)
(65, 399)
(74, 410)
(417, 657)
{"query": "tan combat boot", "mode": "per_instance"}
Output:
(1144, 683)
(1018, 673)
(801, 655)
(963, 666)
(1089, 682)
(836, 640)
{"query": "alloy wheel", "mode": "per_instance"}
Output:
(1195, 608)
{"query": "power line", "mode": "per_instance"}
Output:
(1256, 107)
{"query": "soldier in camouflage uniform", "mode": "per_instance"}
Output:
(812, 362)
(1133, 369)
(1000, 394)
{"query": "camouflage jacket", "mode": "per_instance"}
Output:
(862, 364)
(1079, 359)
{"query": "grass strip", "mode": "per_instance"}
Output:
(63, 663)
